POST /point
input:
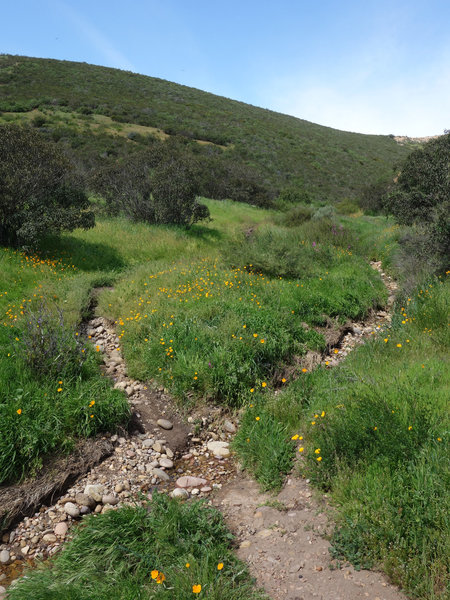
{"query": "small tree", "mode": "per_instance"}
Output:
(39, 191)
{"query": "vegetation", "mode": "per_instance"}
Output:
(165, 550)
(101, 114)
(38, 191)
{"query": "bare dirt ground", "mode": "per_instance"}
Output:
(281, 539)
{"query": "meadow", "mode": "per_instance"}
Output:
(215, 313)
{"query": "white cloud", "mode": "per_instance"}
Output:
(96, 38)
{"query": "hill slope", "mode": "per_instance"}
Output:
(329, 164)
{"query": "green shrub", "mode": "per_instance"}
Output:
(39, 193)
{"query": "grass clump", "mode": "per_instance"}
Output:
(264, 446)
(167, 549)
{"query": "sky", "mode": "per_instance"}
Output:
(369, 66)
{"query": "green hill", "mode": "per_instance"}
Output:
(98, 111)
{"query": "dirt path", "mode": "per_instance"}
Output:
(280, 538)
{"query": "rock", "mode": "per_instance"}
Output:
(206, 489)
(25, 550)
(4, 556)
(195, 492)
(245, 544)
(148, 443)
(2, 592)
(95, 491)
(161, 474)
(219, 449)
(84, 500)
(164, 423)
(179, 493)
(49, 537)
(169, 452)
(85, 510)
(157, 447)
(72, 510)
(61, 529)
(110, 499)
(229, 426)
(264, 533)
(166, 463)
(188, 481)
(120, 385)
(119, 487)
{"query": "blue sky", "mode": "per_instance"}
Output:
(367, 66)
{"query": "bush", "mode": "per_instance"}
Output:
(39, 193)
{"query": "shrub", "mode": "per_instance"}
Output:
(324, 212)
(48, 347)
(39, 193)
(297, 215)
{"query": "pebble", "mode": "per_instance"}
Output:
(164, 423)
(179, 493)
(166, 463)
(72, 509)
(49, 537)
(219, 449)
(148, 443)
(4, 556)
(95, 491)
(110, 499)
(229, 426)
(61, 529)
(188, 481)
(160, 474)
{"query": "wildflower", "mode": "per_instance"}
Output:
(439, 439)
(409, 428)
(375, 428)
(220, 566)
(257, 418)
(92, 416)
(319, 458)
(386, 340)
(263, 384)
(161, 577)
(317, 451)
(255, 335)
(283, 380)
(19, 411)
(322, 414)
(399, 345)
(59, 390)
(196, 589)
(336, 351)
(154, 574)
(262, 341)
(301, 449)
(187, 565)
(252, 390)
(313, 422)
(304, 370)
(295, 437)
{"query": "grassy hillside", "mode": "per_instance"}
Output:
(75, 100)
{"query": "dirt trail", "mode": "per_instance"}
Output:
(281, 539)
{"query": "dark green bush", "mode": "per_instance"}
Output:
(39, 191)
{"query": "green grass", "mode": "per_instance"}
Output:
(113, 555)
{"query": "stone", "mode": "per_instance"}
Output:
(61, 529)
(120, 385)
(72, 510)
(95, 491)
(4, 556)
(164, 424)
(264, 533)
(189, 481)
(161, 474)
(110, 499)
(25, 550)
(148, 443)
(119, 487)
(49, 537)
(179, 493)
(166, 463)
(157, 447)
(219, 449)
(229, 426)
(245, 544)
(169, 452)
(205, 489)
(85, 500)
(195, 492)
(85, 510)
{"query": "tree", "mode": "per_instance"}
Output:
(421, 199)
(39, 190)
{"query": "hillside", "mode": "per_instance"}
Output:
(97, 111)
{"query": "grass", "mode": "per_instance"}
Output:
(122, 553)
